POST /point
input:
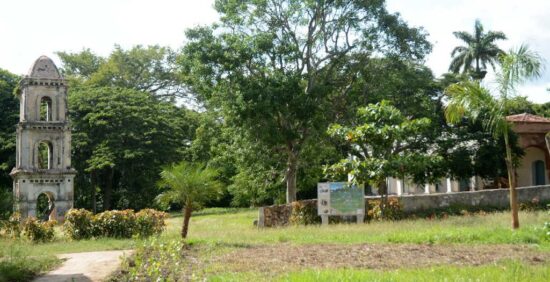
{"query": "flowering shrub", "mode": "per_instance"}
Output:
(149, 222)
(11, 228)
(82, 224)
(117, 224)
(392, 211)
(78, 224)
(37, 231)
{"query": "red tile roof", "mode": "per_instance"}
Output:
(529, 118)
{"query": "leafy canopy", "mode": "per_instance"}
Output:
(385, 145)
(274, 68)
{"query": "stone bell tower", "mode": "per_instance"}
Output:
(43, 158)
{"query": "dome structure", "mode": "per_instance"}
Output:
(44, 67)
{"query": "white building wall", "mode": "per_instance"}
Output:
(525, 170)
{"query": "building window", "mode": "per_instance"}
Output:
(464, 185)
(46, 109)
(538, 173)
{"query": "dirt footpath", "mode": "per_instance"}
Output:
(84, 267)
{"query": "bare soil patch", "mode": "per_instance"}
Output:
(285, 257)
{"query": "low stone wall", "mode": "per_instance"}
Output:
(498, 198)
(276, 215)
(280, 215)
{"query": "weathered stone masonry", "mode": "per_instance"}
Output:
(43, 157)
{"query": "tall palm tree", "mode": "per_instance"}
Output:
(480, 49)
(189, 184)
(469, 98)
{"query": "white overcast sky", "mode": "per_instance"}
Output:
(30, 28)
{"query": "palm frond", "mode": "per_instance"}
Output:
(188, 183)
(464, 36)
(492, 36)
(467, 98)
(519, 65)
(459, 49)
(457, 62)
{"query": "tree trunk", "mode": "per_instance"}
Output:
(512, 183)
(290, 177)
(383, 190)
(186, 216)
(108, 193)
(93, 183)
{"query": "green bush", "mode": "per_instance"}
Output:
(37, 231)
(78, 224)
(149, 222)
(392, 211)
(117, 224)
(11, 228)
(156, 260)
(82, 224)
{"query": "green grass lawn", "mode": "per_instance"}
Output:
(215, 232)
(505, 271)
(237, 228)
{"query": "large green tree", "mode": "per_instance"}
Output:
(9, 116)
(470, 99)
(121, 139)
(151, 69)
(480, 50)
(274, 68)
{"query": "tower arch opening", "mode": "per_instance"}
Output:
(45, 155)
(45, 206)
(45, 113)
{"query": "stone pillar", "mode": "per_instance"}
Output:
(473, 183)
(324, 219)
(261, 217)
(427, 189)
(399, 184)
(449, 185)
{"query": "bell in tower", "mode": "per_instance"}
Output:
(43, 157)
